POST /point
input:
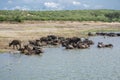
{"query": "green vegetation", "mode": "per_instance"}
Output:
(63, 15)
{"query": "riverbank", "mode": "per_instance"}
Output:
(30, 30)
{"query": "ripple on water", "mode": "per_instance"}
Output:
(61, 64)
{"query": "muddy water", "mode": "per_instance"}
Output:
(60, 64)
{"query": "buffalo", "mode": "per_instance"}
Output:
(15, 43)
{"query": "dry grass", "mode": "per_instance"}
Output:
(34, 30)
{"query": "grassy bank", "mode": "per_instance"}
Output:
(63, 15)
(32, 30)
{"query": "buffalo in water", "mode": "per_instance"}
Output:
(50, 40)
(101, 45)
(75, 42)
(35, 43)
(15, 43)
(111, 34)
(28, 50)
(35, 46)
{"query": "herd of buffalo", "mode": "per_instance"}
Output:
(104, 34)
(36, 46)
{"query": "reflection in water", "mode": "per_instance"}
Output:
(61, 64)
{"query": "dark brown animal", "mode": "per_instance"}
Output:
(15, 43)
(69, 47)
(29, 50)
(109, 45)
(91, 34)
(101, 45)
(35, 42)
(37, 50)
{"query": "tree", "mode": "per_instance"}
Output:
(18, 19)
(113, 15)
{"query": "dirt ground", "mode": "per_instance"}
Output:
(31, 30)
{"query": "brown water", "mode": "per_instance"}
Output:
(60, 64)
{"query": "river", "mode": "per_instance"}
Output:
(56, 63)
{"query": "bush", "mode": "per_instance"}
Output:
(65, 15)
(18, 19)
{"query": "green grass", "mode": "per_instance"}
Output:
(1, 51)
(63, 15)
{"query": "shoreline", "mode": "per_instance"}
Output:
(31, 30)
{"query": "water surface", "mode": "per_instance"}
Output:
(60, 64)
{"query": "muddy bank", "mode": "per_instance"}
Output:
(34, 30)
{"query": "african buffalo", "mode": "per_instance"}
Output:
(101, 45)
(15, 43)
